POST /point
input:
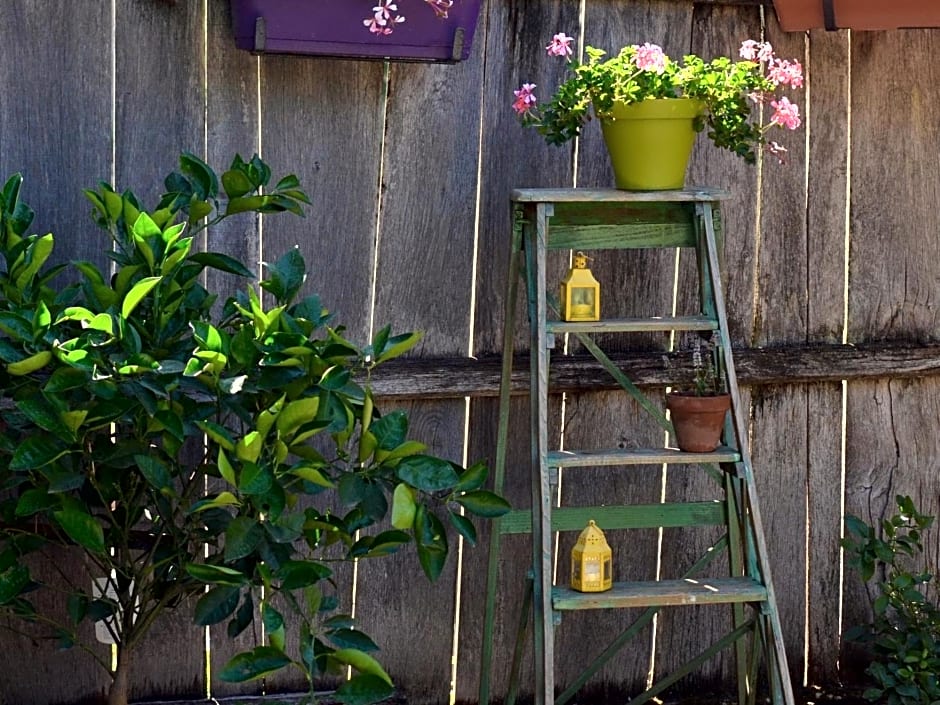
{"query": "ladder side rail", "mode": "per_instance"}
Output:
(535, 237)
(502, 439)
(753, 508)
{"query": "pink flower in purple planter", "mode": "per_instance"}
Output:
(385, 15)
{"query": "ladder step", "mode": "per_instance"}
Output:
(630, 516)
(689, 591)
(639, 456)
(652, 324)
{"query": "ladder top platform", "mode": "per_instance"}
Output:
(610, 195)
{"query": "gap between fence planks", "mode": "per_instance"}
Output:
(456, 377)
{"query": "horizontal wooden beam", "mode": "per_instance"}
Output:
(449, 378)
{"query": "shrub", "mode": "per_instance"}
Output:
(905, 632)
(148, 424)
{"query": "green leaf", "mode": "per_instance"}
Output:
(296, 414)
(12, 583)
(249, 665)
(483, 503)
(66, 378)
(35, 500)
(33, 363)
(352, 638)
(464, 527)
(472, 478)
(364, 689)
(218, 434)
(255, 480)
(403, 507)
(226, 470)
(38, 410)
(397, 345)
(427, 473)
(273, 623)
(236, 183)
(362, 662)
(301, 574)
(137, 294)
(390, 430)
(216, 605)
(286, 276)
(223, 263)
(242, 537)
(431, 540)
(223, 499)
(153, 471)
(216, 574)
(82, 528)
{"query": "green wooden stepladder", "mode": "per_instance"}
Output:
(589, 219)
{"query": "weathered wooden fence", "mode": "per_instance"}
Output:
(832, 269)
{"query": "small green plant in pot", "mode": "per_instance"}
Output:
(904, 635)
(650, 105)
(698, 412)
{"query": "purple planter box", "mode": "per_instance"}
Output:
(335, 28)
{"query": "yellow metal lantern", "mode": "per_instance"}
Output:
(591, 561)
(580, 293)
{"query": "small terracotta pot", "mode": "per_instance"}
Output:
(698, 421)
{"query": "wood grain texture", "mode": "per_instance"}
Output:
(826, 223)
(159, 50)
(782, 421)
(315, 114)
(456, 377)
(894, 219)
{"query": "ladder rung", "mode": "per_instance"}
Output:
(689, 591)
(639, 456)
(652, 324)
(630, 516)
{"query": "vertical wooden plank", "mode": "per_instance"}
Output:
(55, 118)
(511, 157)
(892, 283)
(332, 109)
(322, 120)
(424, 281)
(782, 308)
(55, 128)
(160, 112)
(714, 31)
(827, 120)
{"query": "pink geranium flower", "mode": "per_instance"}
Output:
(560, 45)
(785, 73)
(650, 57)
(385, 15)
(785, 113)
(525, 100)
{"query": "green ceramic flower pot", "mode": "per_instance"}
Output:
(650, 142)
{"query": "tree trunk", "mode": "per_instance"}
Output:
(117, 695)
